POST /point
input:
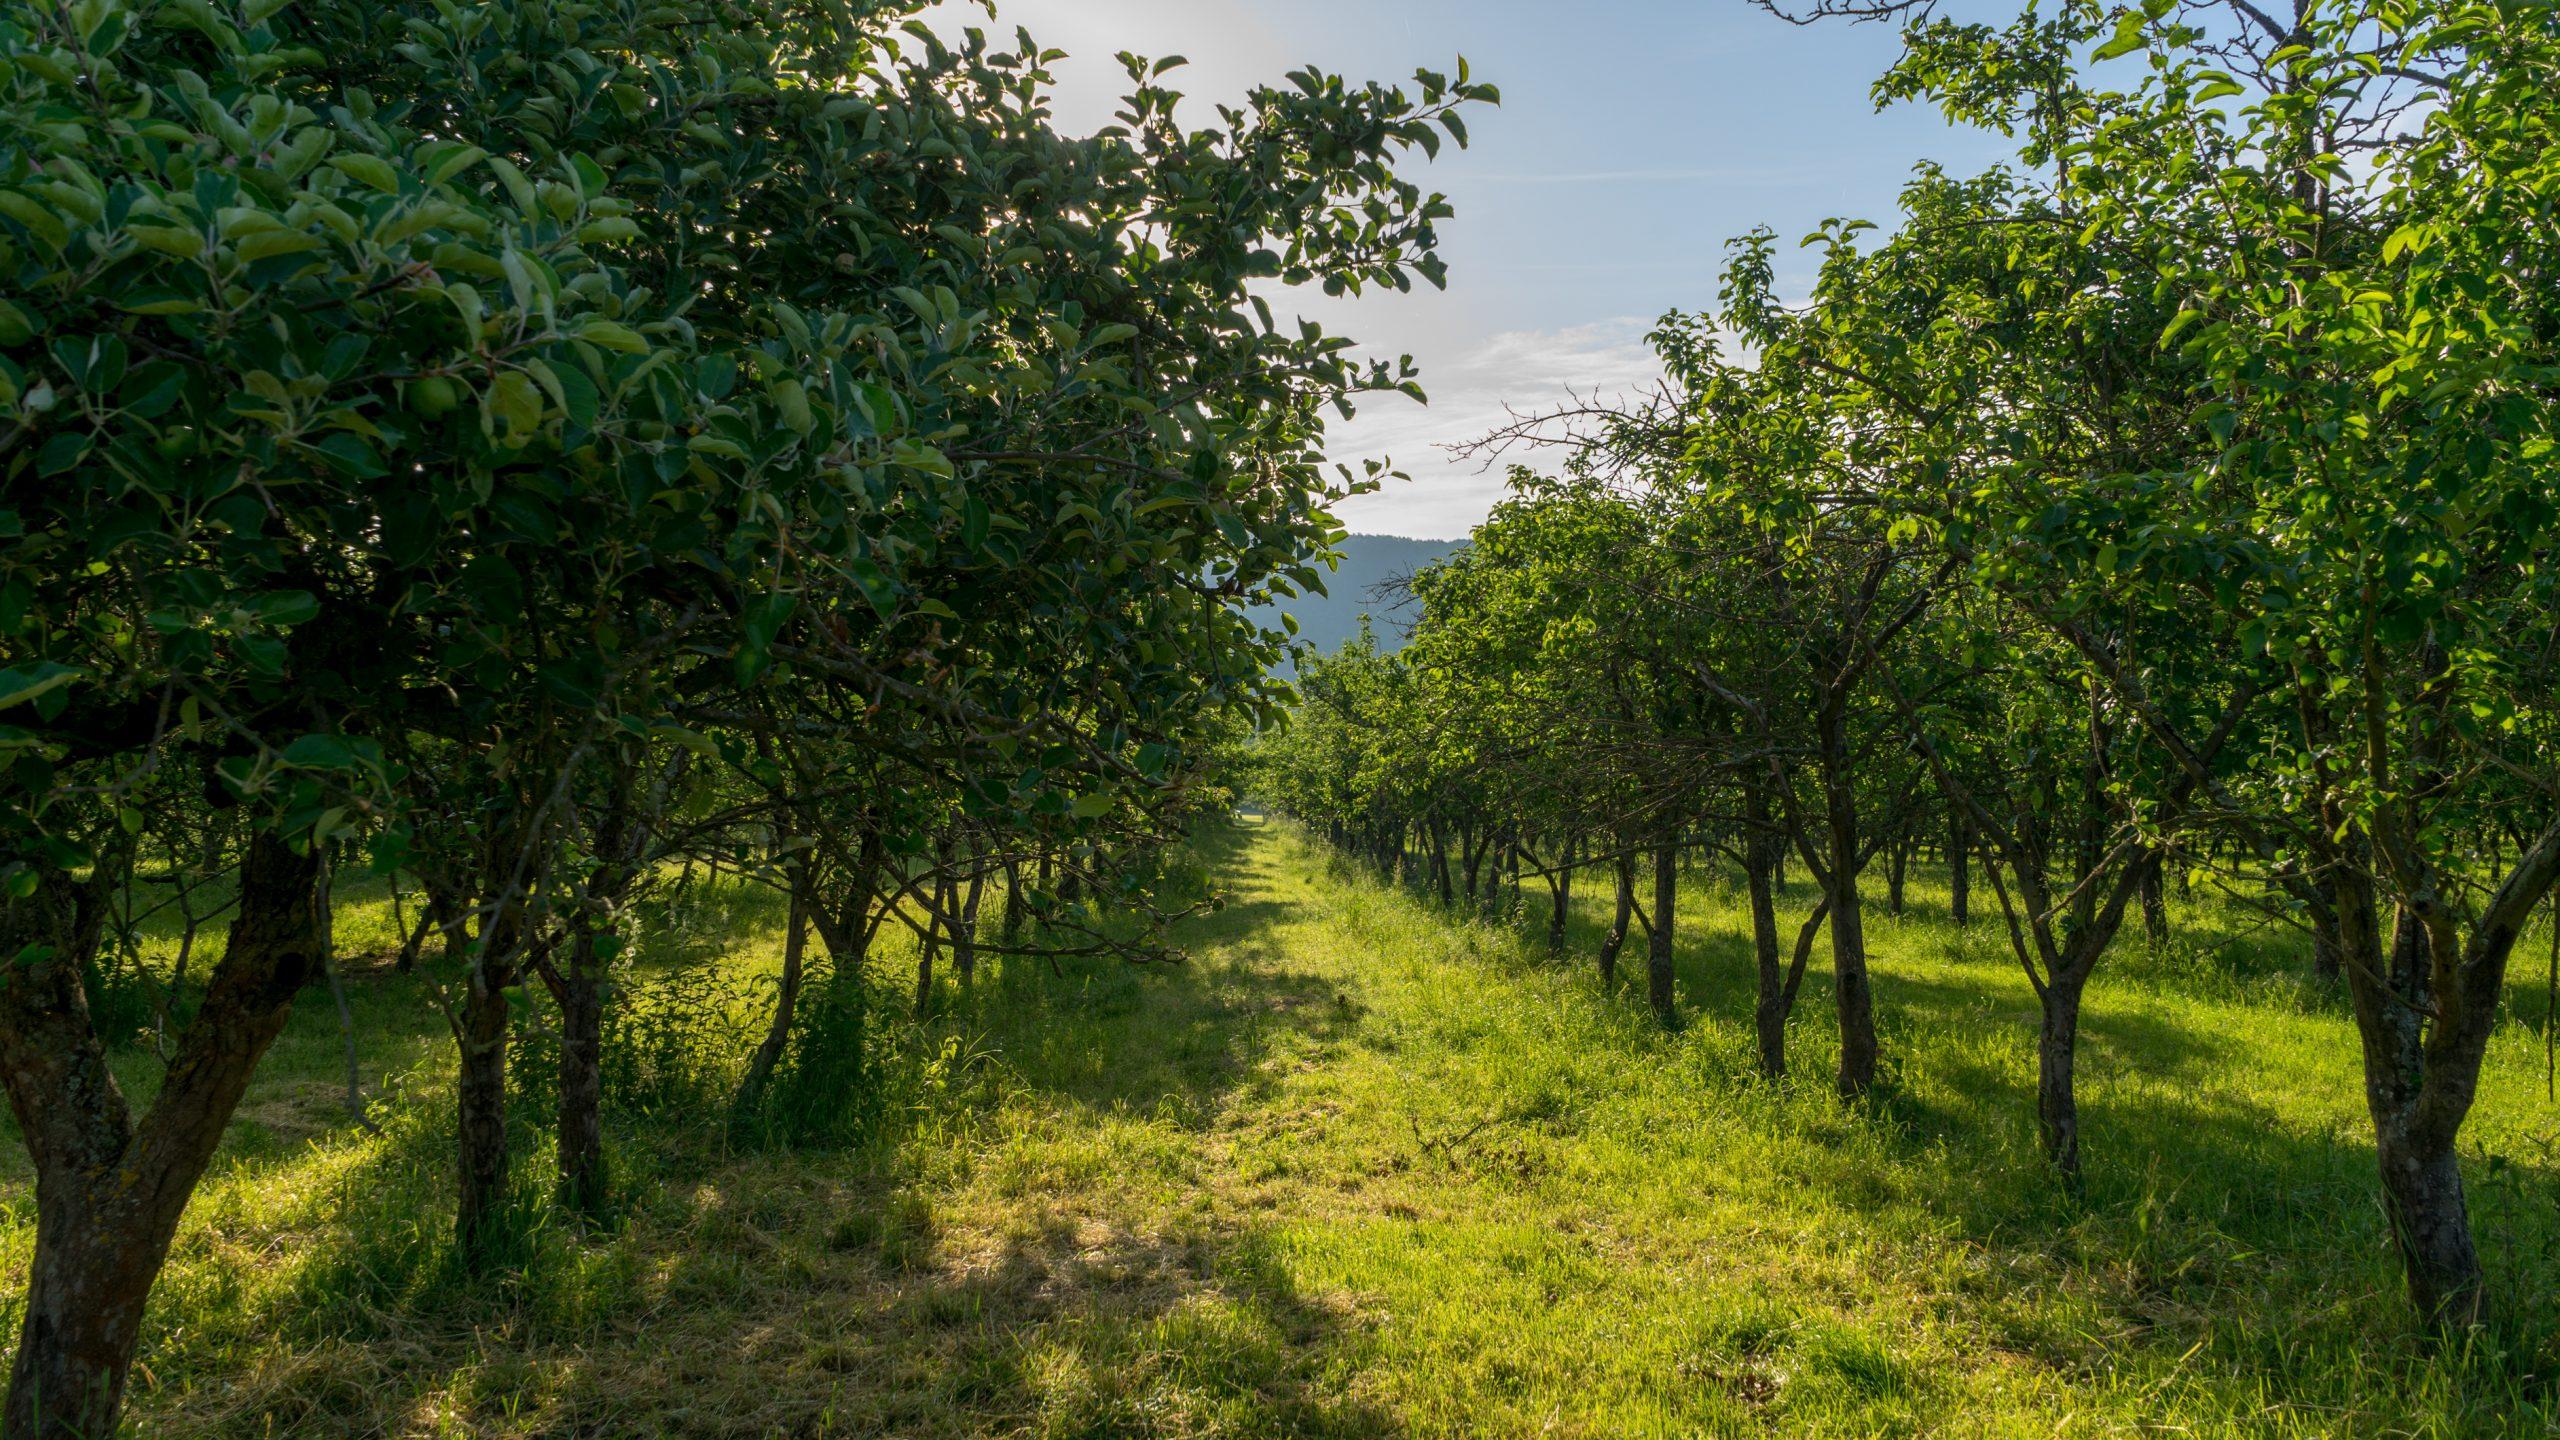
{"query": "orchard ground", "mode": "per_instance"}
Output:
(1356, 1168)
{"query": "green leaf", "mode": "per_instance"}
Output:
(2128, 38)
(22, 683)
(370, 170)
(613, 335)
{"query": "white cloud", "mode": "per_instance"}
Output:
(1473, 394)
(1477, 358)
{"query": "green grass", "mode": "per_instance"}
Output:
(1360, 1169)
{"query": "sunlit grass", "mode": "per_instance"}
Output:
(1358, 1168)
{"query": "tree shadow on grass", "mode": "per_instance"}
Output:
(2212, 1226)
(803, 1293)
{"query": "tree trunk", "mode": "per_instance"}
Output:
(786, 1005)
(1896, 866)
(1012, 903)
(1659, 975)
(1560, 891)
(2418, 1087)
(2327, 946)
(2431, 1222)
(480, 1219)
(1617, 936)
(1760, 850)
(585, 1184)
(925, 956)
(441, 913)
(2057, 1046)
(1959, 873)
(480, 1093)
(964, 931)
(1855, 1002)
(416, 939)
(109, 1193)
(2155, 907)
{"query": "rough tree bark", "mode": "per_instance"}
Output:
(585, 1184)
(1760, 849)
(2327, 948)
(1616, 939)
(1853, 998)
(480, 1107)
(2424, 1012)
(109, 1192)
(1776, 1001)
(481, 1032)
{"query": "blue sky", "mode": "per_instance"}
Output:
(1634, 139)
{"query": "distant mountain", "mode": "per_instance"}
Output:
(1372, 567)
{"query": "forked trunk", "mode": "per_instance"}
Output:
(1616, 939)
(109, 1193)
(2418, 1086)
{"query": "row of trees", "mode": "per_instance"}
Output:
(2180, 497)
(508, 448)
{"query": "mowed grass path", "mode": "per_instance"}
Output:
(1360, 1169)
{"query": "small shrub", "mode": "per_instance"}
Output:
(827, 1089)
(123, 1001)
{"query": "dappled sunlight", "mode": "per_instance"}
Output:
(1351, 1168)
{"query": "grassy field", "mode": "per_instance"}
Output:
(1358, 1169)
